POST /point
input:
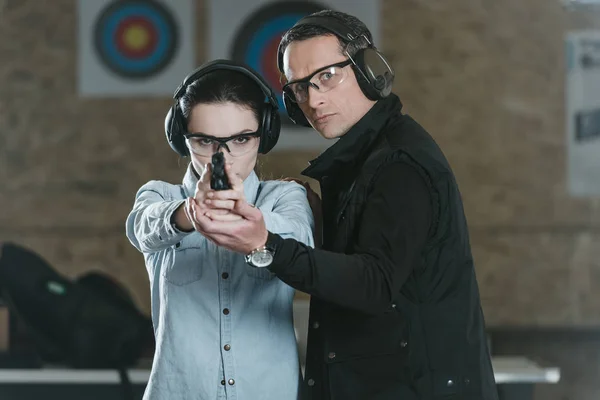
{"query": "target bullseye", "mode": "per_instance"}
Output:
(136, 39)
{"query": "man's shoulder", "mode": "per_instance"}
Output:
(279, 188)
(403, 131)
(405, 136)
(403, 140)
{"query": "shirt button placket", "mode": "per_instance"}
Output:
(226, 316)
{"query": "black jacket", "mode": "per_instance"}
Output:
(395, 309)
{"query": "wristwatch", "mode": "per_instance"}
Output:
(263, 256)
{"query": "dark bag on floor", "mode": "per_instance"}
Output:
(88, 323)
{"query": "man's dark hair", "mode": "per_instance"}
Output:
(304, 32)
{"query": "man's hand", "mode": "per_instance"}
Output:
(243, 236)
(313, 198)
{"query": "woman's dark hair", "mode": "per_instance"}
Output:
(224, 86)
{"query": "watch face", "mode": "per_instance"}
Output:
(262, 259)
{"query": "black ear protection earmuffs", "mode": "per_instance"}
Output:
(270, 125)
(373, 72)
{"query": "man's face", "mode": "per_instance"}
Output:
(334, 112)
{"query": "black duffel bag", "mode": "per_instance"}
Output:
(90, 322)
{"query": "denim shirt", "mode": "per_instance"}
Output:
(224, 330)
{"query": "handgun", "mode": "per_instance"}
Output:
(218, 180)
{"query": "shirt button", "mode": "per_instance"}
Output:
(315, 325)
(450, 383)
(223, 382)
(467, 381)
(231, 382)
(331, 355)
(311, 382)
(227, 347)
(403, 343)
(226, 311)
(225, 275)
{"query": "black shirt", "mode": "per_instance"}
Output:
(392, 232)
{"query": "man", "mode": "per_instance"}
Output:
(395, 309)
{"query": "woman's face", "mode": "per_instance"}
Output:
(223, 120)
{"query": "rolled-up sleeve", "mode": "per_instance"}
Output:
(148, 226)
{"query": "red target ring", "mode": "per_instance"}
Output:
(268, 65)
(136, 37)
(257, 40)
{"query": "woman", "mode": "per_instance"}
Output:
(224, 329)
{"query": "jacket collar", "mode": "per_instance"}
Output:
(251, 184)
(352, 147)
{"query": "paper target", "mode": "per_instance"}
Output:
(136, 39)
(250, 31)
(257, 40)
(583, 112)
(135, 47)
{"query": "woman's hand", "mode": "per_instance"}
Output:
(203, 188)
(201, 205)
(221, 203)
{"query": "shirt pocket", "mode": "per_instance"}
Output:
(370, 336)
(186, 261)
